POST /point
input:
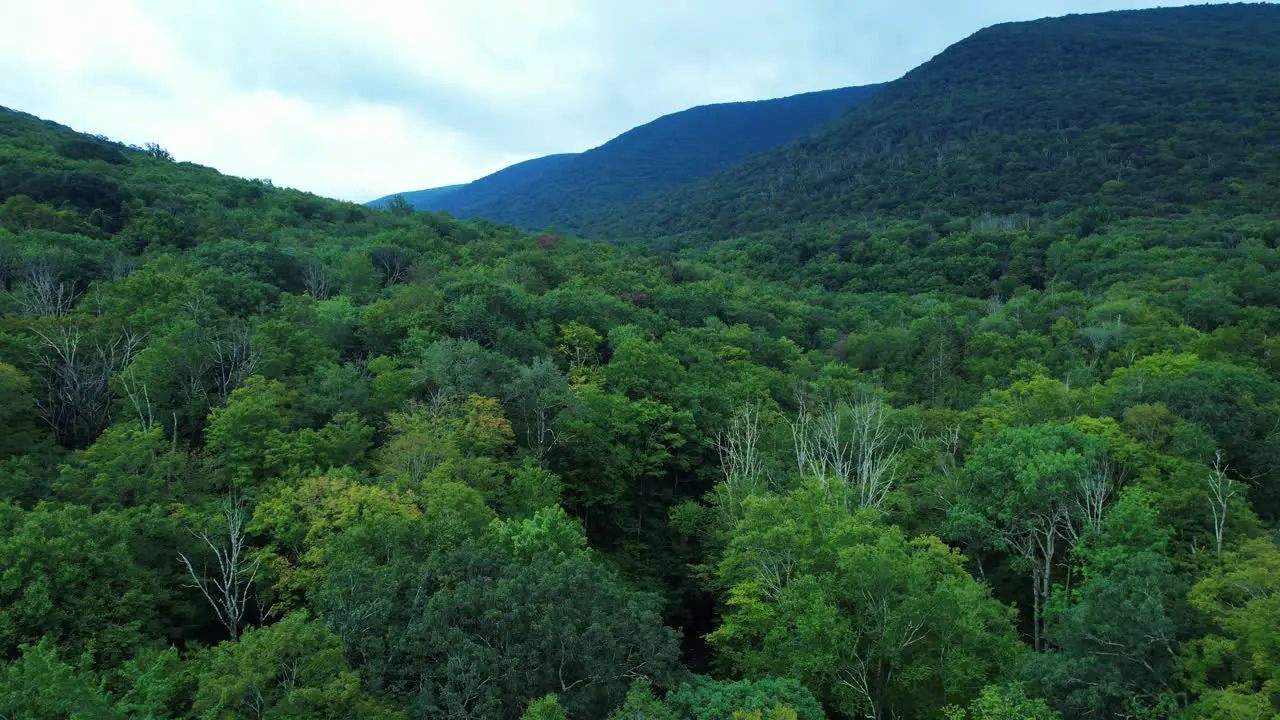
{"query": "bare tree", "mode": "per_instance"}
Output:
(850, 449)
(234, 359)
(874, 453)
(1221, 489)
(78, 373)
(807, 461)
(139, 399)
(227, 588)
(1035, 545)
(1094, 487)
(740, 462)
(394, 264)
(316, 278)
(46, 293)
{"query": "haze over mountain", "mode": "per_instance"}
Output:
(665, 153)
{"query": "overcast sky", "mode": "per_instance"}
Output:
(356, 100)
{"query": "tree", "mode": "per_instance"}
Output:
(641, 704)
(1221, 489)
(997, 703)
(476, 632)
(1234, 668)
(1019, 495)
(741, 467)
(878, 625)
(398, 206)
(546, 707)
(157, 152)
(71, 575)
(706, 699)
(1114, 642)
(294, 668)
(39, 685)
(227, 588)
(78, 372)
(126, 466)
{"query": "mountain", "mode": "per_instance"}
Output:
(268, 454)
(668, 152)
(1137, 112)
(418, 198)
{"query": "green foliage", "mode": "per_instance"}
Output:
(1234, 666)
(39, 685)
(294, 668)
(706, 699)
(479, 467)
(71, 575)
(877, 623)
(1009, 703)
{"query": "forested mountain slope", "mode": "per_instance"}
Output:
(420, 199)
(1137, 113)
(670, 151)
(264, 454)
(507, 180)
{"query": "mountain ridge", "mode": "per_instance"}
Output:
(666, 152)
(1018, 117)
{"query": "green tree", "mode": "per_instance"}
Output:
(39, 685)
(1020, 494)
(1114, 639)
(70, 575)
(1234, 668)
(875, 623)
(705, 699)
(1009, 703)
(292, 669)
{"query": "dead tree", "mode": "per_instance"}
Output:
(316, 279)
(228, 586)
(807, 460)
(234, 359)
(1095, 485)
(850, 449)
(46, 293)
(1221, 489)
(78, 373)
(740, 462)
(393, 263)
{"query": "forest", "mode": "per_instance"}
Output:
(268, 455)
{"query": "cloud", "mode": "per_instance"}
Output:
(357, 100)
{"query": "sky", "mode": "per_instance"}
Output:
(356, 100)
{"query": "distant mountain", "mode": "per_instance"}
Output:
(419, 198)
(1154, 112)
(670, 151)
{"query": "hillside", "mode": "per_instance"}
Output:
(668, 152)
(1147, 112)
(264, 454)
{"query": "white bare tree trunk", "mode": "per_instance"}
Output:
(1094, 488)
(227, 587)
(234, 359)
(1221, 489)
(78, 381)
(853, 459)
(46, 293)
(317, 279)
(740, 462)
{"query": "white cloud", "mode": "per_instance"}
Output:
(356, 100)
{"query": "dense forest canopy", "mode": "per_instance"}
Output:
(849, 452)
